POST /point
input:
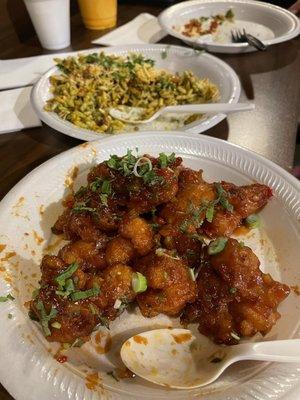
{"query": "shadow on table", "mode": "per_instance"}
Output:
(20, 19)
(220, 131)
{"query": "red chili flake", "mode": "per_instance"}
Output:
(61, 359)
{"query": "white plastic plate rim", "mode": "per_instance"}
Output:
(27, 371)
(55, 122)
(177, 9)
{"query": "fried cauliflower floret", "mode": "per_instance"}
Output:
(211, 308)
(224, 223)
(193, 191)
(88, 254)
(139, 232)
(146, 197)
(105, 295)
(63, 319)
(170, 286)
(182, 216)
(51, 266)
(235, 299)
(115, 285)
(246, 200)
(75, 320)
(130, 190)
(77, 226)
(119, 250)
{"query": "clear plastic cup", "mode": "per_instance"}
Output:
(51, 20)
(98, 14)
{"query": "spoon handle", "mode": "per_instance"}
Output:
(278, 350)
(209, 108)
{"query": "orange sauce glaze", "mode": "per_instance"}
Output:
(241, 230)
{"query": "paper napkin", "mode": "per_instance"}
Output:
(26, 71)
(16, 112)
(142, 29)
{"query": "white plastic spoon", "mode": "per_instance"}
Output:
(134, 115)
(173, 357)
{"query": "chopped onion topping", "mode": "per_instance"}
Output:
(141, 161)
(117, 304)
(162, 252)
(139, 283)
(235, 336)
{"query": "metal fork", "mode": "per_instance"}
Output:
(243, 37)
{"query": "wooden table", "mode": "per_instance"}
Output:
(271, 79)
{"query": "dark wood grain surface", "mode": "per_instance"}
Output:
(270, 79)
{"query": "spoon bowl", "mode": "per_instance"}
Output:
(174, 358)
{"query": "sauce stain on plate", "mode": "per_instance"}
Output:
(102, 342)
(38, 239)
(93, 381)
(70, 177)
(182, 337)
(140, 340)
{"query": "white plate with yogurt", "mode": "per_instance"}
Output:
(203, 23)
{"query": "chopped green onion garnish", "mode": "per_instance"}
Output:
(232, 290)
(32, 316)
(209, 215)
(78, 343)
(192, 274)
(56, 325)
(68, 289)
(3, 299)
(95, 186)
(93, 309)
(44, 318)
(61, 279)
(103, 198)
(9, 316)
(104, 321)
(85, 294)
(139, 282)
(164, 160)
(81, 208)
(106, 187)
(253, 221)
(217, 246)
(35, 293)
(223, 197)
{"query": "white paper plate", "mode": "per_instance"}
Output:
(269, 23)
(28, 370)
(177, 59)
